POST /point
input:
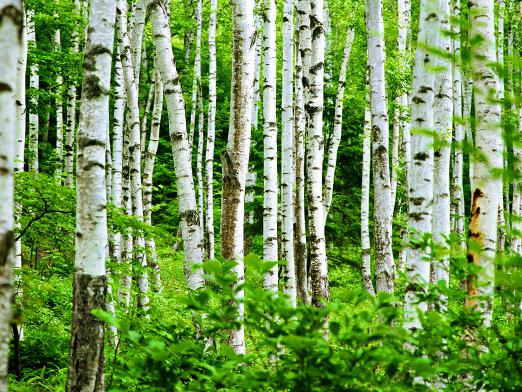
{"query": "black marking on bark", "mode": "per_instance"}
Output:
(91, 87)
(4, 87)
(421, 156)
(89, 59)
(16, 15)
(6, 247)
(84, 141)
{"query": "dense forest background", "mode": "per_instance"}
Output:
(178, 338)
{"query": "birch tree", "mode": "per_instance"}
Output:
(299, 201)
(11, 46)
(70, 122)
(190, 229)
(34, 83)
(211, 129)
(365, 201)
(59, 114)
(86, 366)
(287, 153)
(443, 126)
(197, 72)
(315, 146)
(235, 157)
(458, 163)
(421, 174)
(148, 171)
(487, 188)
(131, 91)
(384, 264)
(270, 237)
(338, 124)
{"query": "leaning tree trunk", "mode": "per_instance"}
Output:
(199, 165)
(487, 188)
(384, 265)
(131, 90)
(458, 163)
(235, 157)
(270, 237)
(338, 126)
(34, 84)
(211, 129)
(443, 126)
(11, 47)
(139, 12)
(86, 366)
(314, 115)
(421, 174)
(190, 229)
(287, 154)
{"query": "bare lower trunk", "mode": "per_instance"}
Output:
(86, 366)
(236, 156)
(487, 189)
(299, 206)
(34, 83)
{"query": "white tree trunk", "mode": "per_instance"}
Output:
(197, 73)
(90, 280)
(299, 202)
(11, 47)
(443, 126)
(34, 84)
(148, 171)
(314, 109)
(211, 129)
(287, 153)
(145, 118)
(199, 166)
(236, 156)
(139, 12)
(338, 125)
(458, 164)
(59, 116)
(131, 90)
(421, 171)
(192, 241)
(70, 123)
(365, 201)
(384, 265)
(487, 188)
(270, 183)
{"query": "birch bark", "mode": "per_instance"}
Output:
(338, 124)
(131, 90)
(59, 115)
(443, 126)
(192, 242)
(287, 153)
(365, 201)
(314, 110)
(90, 281)
(11, 46)
(197, 73)
(236, 156)
(299, 202)
(270, 235)
(421, 175)
(384, 265)
(458, 165)
(34, 83)
(70, 123)
(487, 189)
(211, 129)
